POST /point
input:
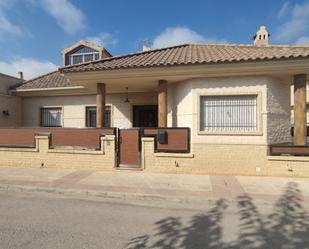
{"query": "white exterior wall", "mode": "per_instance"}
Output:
(273, 108)
(186, 96)
(74, 108)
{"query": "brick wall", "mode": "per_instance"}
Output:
(178, 139)
(42, 155)
(88, 138)
(226, 159)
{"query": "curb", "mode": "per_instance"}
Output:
(106, 195)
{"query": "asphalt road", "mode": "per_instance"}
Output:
(42, 221)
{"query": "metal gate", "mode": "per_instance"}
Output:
(129, 147)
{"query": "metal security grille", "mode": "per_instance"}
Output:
(51, 117)
(91, 113)
(229, 113)
(107, 116)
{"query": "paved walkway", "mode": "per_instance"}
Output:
(152, 186)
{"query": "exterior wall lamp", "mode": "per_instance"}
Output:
(5, 113)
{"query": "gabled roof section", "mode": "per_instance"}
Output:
(53, 79)
(86, 44)
(191, 54)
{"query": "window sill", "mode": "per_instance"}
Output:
(231, 133)
(177, 155)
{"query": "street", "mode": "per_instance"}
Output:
(46, 221)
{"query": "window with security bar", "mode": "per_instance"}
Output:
(228, 113)
(91, 113)
(51, 117)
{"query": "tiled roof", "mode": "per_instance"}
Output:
(51, 80)
(190, 54)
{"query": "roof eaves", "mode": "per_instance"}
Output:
(47, 89)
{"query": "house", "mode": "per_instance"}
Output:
(10, 106)
(196, 108)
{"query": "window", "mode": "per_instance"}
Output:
(51, 117)
(88, 57)
(91, 115)
(228, 113)
(77, 59)
(83, 57)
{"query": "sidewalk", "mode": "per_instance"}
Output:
(136, 185)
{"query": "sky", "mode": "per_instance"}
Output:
(33, 32)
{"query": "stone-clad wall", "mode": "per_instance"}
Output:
(42, 155)
(278, 111)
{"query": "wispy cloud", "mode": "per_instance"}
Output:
(180, 35)
(103, 39)
(6, 26)
(283, 10)
(31, 67)
(68, 16)
(297, 24)
(303, 40)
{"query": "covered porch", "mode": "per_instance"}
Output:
(143, 113)
(148, 97)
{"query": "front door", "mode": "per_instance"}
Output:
(145, 116)
(129, 147)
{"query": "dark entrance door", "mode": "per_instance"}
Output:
(145, 116)
(129, 147)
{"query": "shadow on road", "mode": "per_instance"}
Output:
(287, 227)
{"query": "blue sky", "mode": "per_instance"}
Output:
(33, 32)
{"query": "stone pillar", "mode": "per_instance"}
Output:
(162, 104)
(100, 105)
(300, 110)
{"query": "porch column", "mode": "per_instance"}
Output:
(300, 110)
(162, 103)
(100, 105)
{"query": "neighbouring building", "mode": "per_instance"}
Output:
(195, 108)
(10, 105)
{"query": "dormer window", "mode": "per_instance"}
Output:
(82, 57)
(82, 52)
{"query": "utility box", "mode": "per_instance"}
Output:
(162, 137)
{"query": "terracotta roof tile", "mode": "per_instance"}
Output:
(194, 54)
(170, 56)
(51, 80)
